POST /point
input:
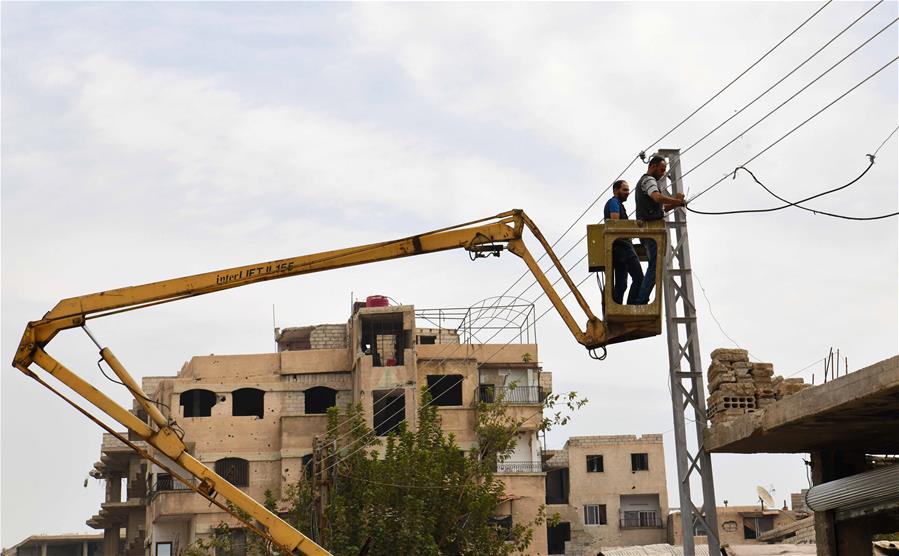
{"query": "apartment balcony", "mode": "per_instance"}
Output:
(647, 520)
(512, 395)
(167, 484)
(515, 467)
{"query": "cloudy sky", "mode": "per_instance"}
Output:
(152, 140)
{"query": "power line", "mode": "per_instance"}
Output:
(592, 204)
(807, 120)
(789, 204)
(782, 104)
(781, 80)
(841, 216)
(713, 97)
(885, 140)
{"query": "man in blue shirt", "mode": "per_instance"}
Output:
(624, 258)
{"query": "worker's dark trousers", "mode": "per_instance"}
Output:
(649, 281)
(624, 263)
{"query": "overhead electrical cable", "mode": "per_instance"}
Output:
(794, 95)
(735, 79)
(807, 120)
(885, 140)
(666, 134)
(781, 80)
(797, 205)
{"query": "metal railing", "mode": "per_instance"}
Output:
(645, 521)
(516, 395)
(167, 484)
(494, 319)
(519, 467)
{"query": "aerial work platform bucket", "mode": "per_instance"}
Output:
(641, 320)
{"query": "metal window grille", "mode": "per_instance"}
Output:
(234, 470)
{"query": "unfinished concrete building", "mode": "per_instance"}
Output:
(253, 418)
(58, 545)
(609, 491)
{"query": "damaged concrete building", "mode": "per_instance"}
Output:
(253, 418)
(608, 491)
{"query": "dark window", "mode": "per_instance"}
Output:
(383, 338)
(234, 470)
(237, 546)
(639, 462)
(595, 514)
(197, 403)
(307, 466)
(164, 549)
(164, 482)
(319, 399)
(594, 464)
(556, 536)
(446, 390)
(502, 524)
(557, 486)
(248, 401)
(755, 526)
(389, 410)
(427, 340)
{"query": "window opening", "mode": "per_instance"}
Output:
(164, 481)
(595, 514)
(557, 486)
(556, 536)
(446, 390)
(755, 526)
(641, 518)
(163, 549)
(427, 340)
(389, 410)
(383, 338)
(319, 399)
(594, 464)
(234, 470)
(248, 401)
(639, 462)
(307, 466)
(502, 524)
(197, 403)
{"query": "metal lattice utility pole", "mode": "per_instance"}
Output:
(685, 367)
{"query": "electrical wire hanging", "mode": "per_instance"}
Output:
(787, 134)
(797, 203)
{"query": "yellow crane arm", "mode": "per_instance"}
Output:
(480, 236)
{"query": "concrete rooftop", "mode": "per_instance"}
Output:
(855, 412)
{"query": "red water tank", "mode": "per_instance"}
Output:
(376, 301)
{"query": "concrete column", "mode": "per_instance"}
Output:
(43, 549)
(84, 548)
(833, 538)
(114, 487)
(110, 542)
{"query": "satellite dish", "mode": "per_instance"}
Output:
(765, 497)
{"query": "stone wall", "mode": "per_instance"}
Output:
(322, 336)
(737, 386)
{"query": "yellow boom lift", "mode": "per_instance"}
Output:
(480, 237)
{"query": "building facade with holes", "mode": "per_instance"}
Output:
(253, 418)
(609, 491)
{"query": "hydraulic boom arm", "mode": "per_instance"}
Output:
(488, 235)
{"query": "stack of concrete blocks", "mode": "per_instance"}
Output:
(737, 387)
(328, 336)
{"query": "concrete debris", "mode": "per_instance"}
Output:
(738, 387)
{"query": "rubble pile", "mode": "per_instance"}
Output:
(737, 387)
